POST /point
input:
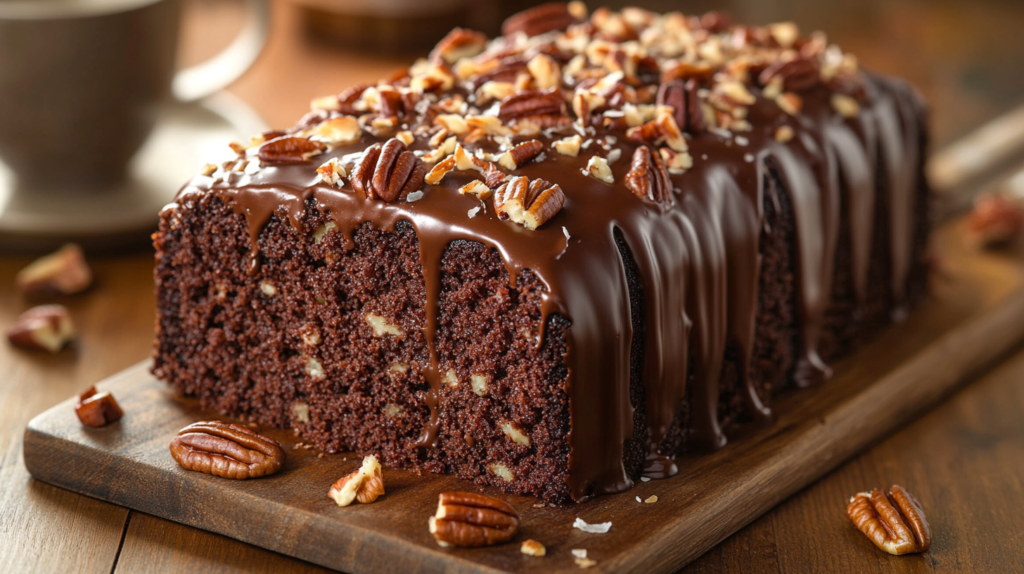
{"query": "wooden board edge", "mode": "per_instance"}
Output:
(965, 351)
(151, 483)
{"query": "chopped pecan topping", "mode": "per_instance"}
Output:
(545, 71)
(290, 149)
(527, 203)
(348, 98)
(470, 519)
(388, 172)
(458, 44)
(493, 176)
(540, 20)
(533, 104)
(337, 131)
(845, 105)
(532, 548)
(519, 155)
(364, 485)
(97, 409)
(569, 146)
(440, 170)
(797, 74)
(662, 129)
(685, 103)
(892, 520)
(332, 172)
(226, 450)
(598, 167)
(477, 188)
(648, 178)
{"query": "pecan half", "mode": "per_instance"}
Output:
(290, 149)
(388, 172)
(42, 328)
(520, 154)
(892, 520)
(527, 203)
(226, 450)
(540, 20)
(685, 103)
(97, 409)
(531, 103)
(364, 485)
(459, 43)
(648, 178)
(797, 74)
(469, 519)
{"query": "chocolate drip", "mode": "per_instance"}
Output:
(698, 260)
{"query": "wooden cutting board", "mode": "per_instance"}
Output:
(975, 315)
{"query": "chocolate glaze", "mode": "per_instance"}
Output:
(698, 258)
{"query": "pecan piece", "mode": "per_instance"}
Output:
(661, 129)
(539, 20)
(892, 520)
(685, 103)
(348, 98)
(520, 154)
(97, 409)
(530, 103)
(648, 178)
(996, 221)
(364, 485)
(42, 328)
(797, 74)
(388, 172)
(458, 44)
(226, 450)
(290, 149)
(63, 271)
(470, 519)
(527, 203)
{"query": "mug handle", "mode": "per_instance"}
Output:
(217, 73)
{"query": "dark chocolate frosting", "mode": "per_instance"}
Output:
(697, 255)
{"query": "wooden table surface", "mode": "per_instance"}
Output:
(965, 459)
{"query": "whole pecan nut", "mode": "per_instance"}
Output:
(97, 409)
(290, 149)
(226, 450)
(388, 172)
(648, 178)
(685, 103)
(469, 519)
(539, 20)
(528, 203)
(530, 103)
(892, 520)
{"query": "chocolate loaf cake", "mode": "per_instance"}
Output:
(553, 261)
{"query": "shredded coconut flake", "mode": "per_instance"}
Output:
(472, 212)
(414, 196)
(645, 478)
(748, 157)
(742, 141)
(592, 528)
(579, 552)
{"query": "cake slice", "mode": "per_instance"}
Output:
(553, 261)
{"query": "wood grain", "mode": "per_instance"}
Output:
(35, 515)
(975, 316)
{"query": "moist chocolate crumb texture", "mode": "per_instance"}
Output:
(553, 261)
